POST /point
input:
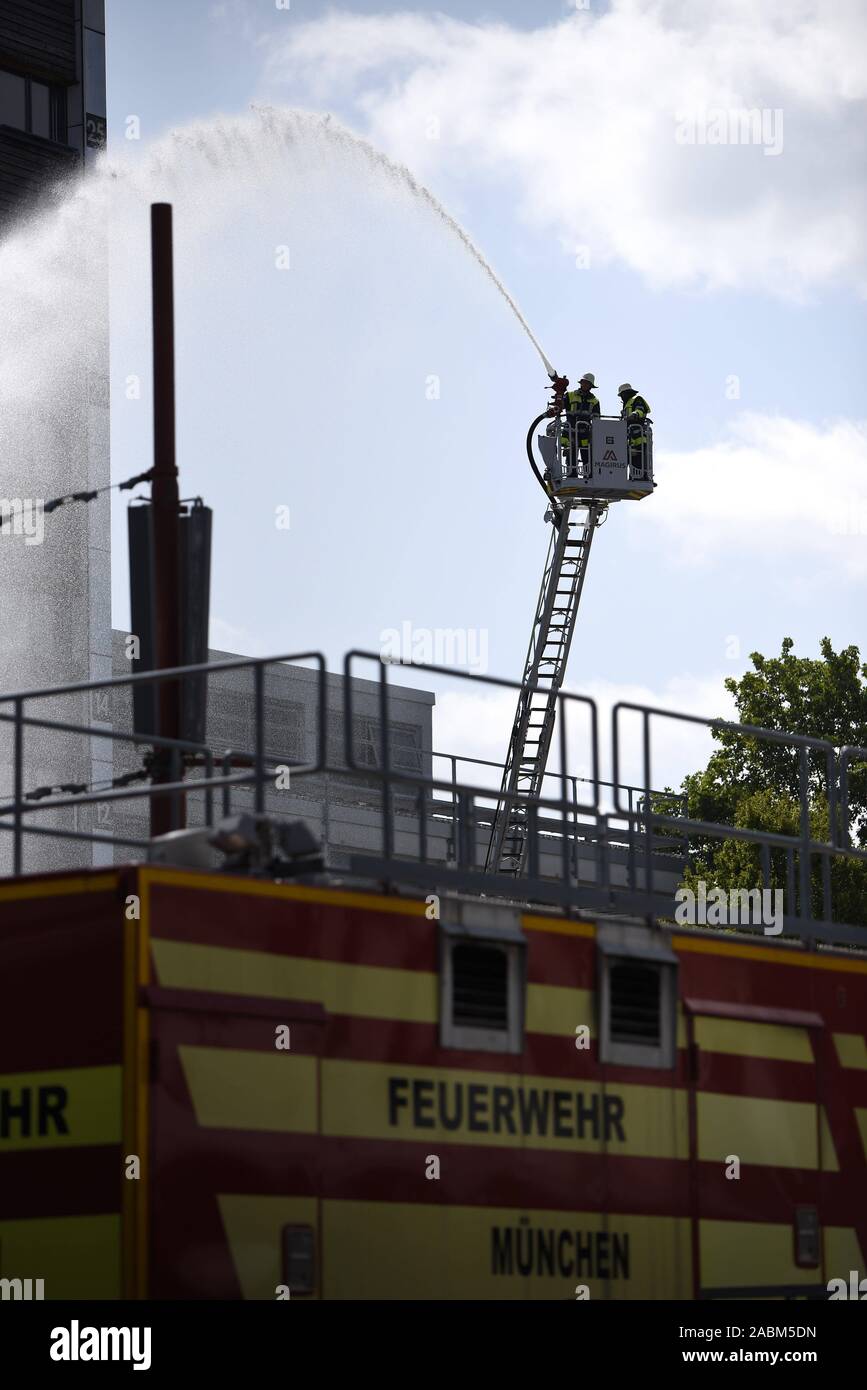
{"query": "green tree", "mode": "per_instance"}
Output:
(753, 783)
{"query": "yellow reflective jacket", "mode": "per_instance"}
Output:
(636, 411)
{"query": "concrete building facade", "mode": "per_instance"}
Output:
(52, 94)
(52, 125)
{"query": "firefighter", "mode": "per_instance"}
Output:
(635, 412)
(581, 405)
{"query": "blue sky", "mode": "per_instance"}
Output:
(556, 130)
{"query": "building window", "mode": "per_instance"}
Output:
(40, 110)
(404, 744)
(13, 100)
(482, 987)
(637, 1000)
(36, 107)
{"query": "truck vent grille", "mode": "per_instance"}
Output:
(480, 987)
(635, 996)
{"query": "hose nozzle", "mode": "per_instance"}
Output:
(558, 391)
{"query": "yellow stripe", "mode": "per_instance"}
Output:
(851, 1050)
(251, 1090)
(254, 1227)
(842, 1252)
(397, 1250)
(749, 1254)
(782, 955)
(746, 1039)
(90, 1108)
(557, 1011)
(358, 990)
(403, 907)
(77, 1256)
(861, 1117)
(355, 1104)
(828, 1152)
(417, 908)
(214, 883)
(756, 1129)
(402, 1250)
(560, 926)
(238, 1089)
(57, 887)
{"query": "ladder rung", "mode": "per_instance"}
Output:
(534, 722)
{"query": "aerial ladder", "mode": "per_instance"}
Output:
(580, 481)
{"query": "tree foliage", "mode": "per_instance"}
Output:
(755, 783)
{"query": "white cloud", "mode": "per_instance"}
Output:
(775, 485)
(478, 723)
(237, 641)
(582, 117)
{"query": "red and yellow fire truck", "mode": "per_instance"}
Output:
(218, 1087)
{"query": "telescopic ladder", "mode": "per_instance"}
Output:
(544, 670)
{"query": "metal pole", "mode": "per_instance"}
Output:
(259, 710)
(806, 905)
(167, 812)
(385, 758)
(648, 809)
(17, 850)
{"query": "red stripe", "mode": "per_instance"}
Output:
(404, 1044)
(289, 927)
(393, 1170)
(845, 1132)
(61, 987)
(76, 1181)
(555, 959)
(366, 936)
(189, 1254)
(417, 1044)
(257, 1034)
(724, 1074)
(351, 935)
(840, 998)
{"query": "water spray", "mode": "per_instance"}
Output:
(343, 137)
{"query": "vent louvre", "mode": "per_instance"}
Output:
(635, 1003)
(480, 987)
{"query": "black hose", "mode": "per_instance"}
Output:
(541, 481)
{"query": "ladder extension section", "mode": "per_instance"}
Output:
(553, 626)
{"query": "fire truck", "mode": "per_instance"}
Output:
(481, 1063)
(223, 1086)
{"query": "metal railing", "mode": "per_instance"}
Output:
(569, 455)
(635, 840)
